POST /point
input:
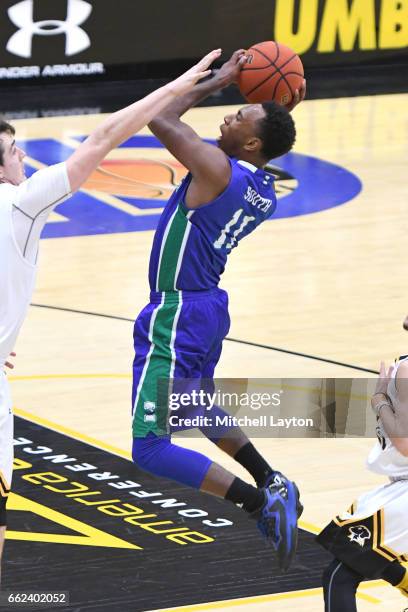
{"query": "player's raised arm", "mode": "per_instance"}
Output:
(202, 159)
(119, 126)
(209, 165)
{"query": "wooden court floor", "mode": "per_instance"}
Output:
(329, 284)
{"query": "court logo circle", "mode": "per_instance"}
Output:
(129, 190)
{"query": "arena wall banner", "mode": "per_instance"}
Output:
(44, 39)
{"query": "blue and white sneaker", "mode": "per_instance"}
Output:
(277, 518)
(277, 478)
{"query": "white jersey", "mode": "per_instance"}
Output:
(24, 210)
(384, 457)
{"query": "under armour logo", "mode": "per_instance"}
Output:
(22, 15)
(359, 534)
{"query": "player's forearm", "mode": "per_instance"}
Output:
(182, 104)
(119, 126)
(396, 428)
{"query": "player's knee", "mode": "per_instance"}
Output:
(333, 576)
(139, 454)
(146, 452)
(327, 575)
(340, 577)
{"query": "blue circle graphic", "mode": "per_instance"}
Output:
(321, 185)
(314, 185)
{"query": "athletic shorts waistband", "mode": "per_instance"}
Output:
(174, 296)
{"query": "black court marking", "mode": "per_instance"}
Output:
(236, 563)
(246, 342)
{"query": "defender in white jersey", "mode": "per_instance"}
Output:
(24, 208)
(370, 540)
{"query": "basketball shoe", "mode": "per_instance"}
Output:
(277, 517)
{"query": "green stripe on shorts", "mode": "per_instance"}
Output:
(151, 411)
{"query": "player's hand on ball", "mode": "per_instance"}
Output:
(229, 71)
(300, 95)
(184, 83)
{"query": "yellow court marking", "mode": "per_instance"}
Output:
(71, 433)
(306, 526)
(90, 536)
(67, 376)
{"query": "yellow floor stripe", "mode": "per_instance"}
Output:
(309, 527)
(72, 433)
(59, 376)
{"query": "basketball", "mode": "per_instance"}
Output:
(272, 72)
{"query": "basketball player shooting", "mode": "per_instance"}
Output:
(226, 195)
(370, 540)
(25, 205)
